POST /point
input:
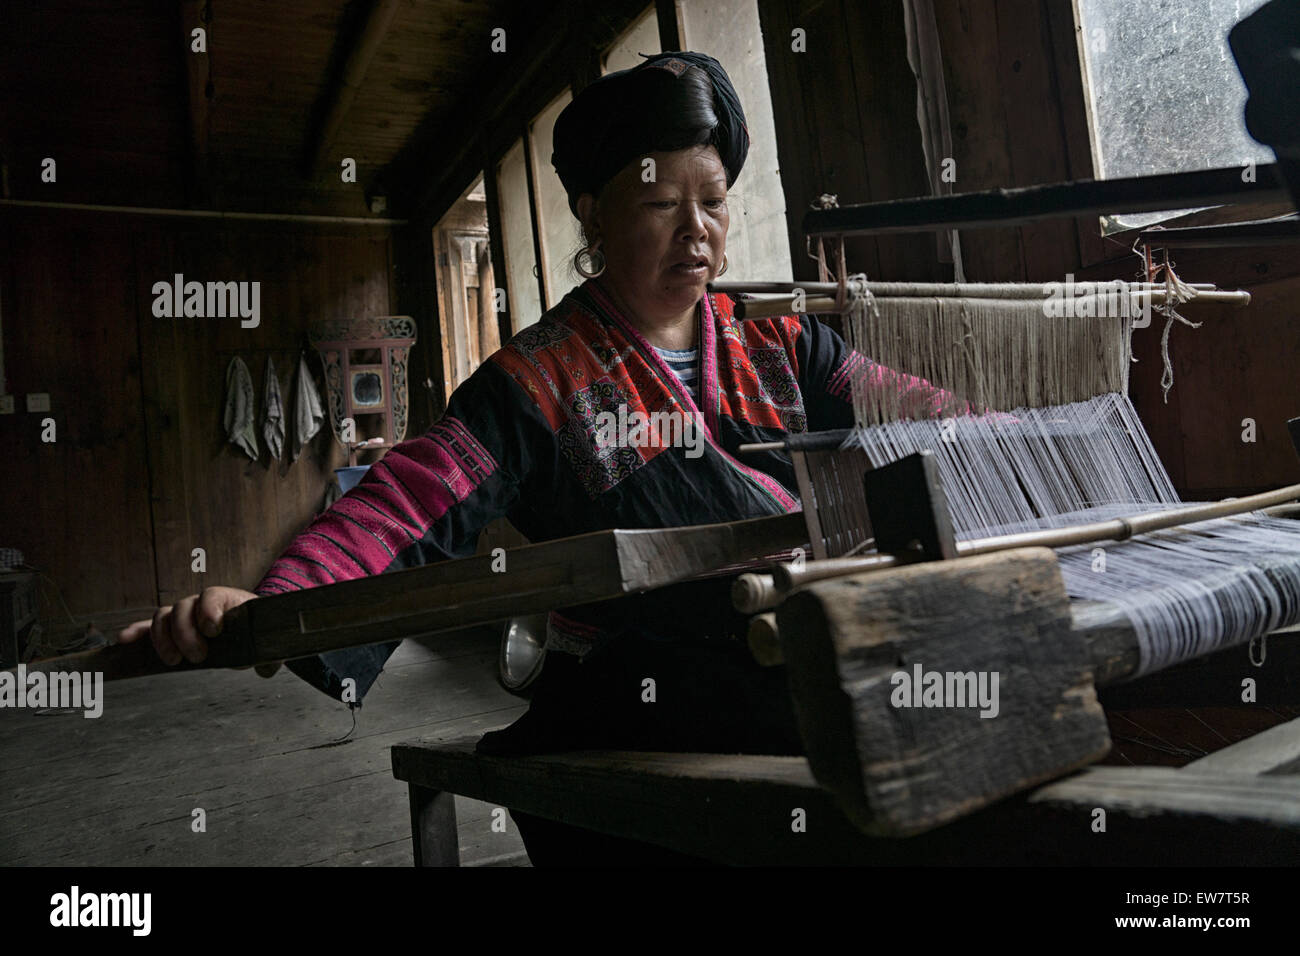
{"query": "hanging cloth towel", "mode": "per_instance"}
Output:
(272, 412)
(240, 408)
(308, 413)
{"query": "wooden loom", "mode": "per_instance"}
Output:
(845, 626)
(845, 623)
(842, 625)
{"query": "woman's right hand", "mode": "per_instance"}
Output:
(181, 631)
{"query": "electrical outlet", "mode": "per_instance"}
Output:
(38, 401)
(6, 404)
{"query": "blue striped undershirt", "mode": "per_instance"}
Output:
(684, 365)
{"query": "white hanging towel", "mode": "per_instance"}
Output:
(308, 412)
(272, 412)
(240, 406)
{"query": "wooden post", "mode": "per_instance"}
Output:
(533, 206)
(433, 827)
(496, 241)
(416, 292)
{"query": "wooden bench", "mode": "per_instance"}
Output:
(1237, 806)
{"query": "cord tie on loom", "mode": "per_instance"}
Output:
(1176, 293)
(854, 296)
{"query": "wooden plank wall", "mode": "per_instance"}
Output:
(845, 114)
(1239, 364)
(1006, 107)
(78, 509)
(416, 288)
(142, 473)
(846, 124)
(99, 88)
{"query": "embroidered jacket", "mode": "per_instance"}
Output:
(539, 434)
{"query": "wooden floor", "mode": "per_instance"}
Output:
(269, 763)
(265, 759)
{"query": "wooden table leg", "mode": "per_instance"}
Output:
(433, 827)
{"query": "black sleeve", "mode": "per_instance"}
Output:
(826, 364)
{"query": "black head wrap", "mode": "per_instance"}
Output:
(633, 112)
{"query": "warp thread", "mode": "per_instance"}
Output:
(1031, 428)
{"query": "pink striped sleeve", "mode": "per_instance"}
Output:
(400, 499)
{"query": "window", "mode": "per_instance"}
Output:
(466, 282)
(1165, 94)
(522, 289)
(758, 243)
(641, 37)
(556, 227)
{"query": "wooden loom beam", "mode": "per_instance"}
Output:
(464, 592)
(1242, 803)
(1008, 207)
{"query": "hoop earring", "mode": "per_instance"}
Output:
(724, 264)
(595, 257)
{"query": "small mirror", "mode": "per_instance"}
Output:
(367, 389)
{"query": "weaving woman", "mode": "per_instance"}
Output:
(647, 157)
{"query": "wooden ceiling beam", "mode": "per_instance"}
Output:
(670, 33)
(429, 176)
(339, 98)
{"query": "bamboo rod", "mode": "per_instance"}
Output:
(896, 290)
(768, 308)
(1283, 511)
(753, 593)
(1121, 529)
(833, 439)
